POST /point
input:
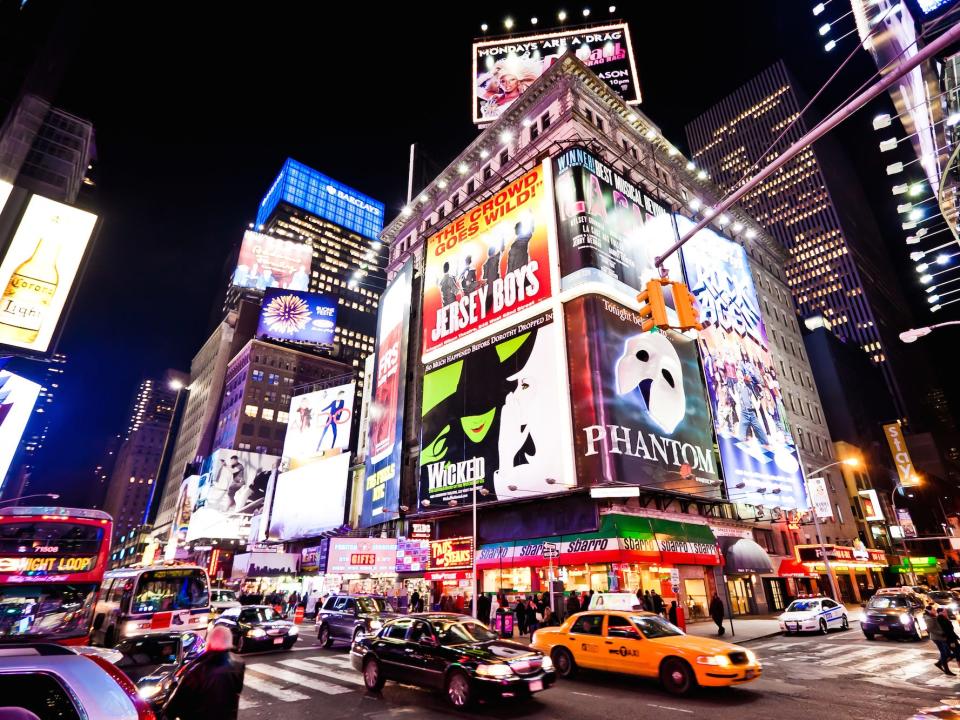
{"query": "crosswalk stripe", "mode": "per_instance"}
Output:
(897, 659)
(335, 674)
(246, 703)
(854, 656)
(328, 660)
(297, 679)
(268, 688)
(921, 667)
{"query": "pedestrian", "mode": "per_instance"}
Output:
(573, 604)
(211, 686)
(589, 599)
(716, 612)
(521, 611)
(584, 600)
(950, 634)
(415, 601)
(459, 604)
(483, 608)
(547, 616)
(640, 596)
(938, 638)
(657, 602)
(534, 617)
(672, 613)
(494, 607)
(647, 601)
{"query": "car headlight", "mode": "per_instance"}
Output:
(294, 630)
(719, 660)
(375, 624)
(547, 664)
(751, 656)
(906, 618)
(256, 633)
(494, 671)
(148, 691)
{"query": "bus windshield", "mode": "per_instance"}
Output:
(174, 589)
(31, 612)
(27, 536)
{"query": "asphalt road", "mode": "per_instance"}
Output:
(838, 677)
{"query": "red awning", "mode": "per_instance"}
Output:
(795, 569)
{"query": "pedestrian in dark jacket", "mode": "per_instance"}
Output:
(415, 602)
(716, 612)
(938, 638)
(647, 601)
(573, 604)
(657, 602)
(211, 686)
(949, 633)
(673, 612)
(534, 616)
(521, 611)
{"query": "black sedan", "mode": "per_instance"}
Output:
(453, 653)
(152, 662)
(894, 615)
(258, 627)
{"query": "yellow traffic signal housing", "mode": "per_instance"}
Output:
(688, 315)
(653, 309)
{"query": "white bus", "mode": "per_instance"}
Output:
(156, 599)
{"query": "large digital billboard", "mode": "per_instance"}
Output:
(381, 484)
(503, 69)
(38, 272)
(231, 488)
(310, 499)
(362, 555)
(17, 398)
(760, 461)
(640, 413)
(492, 418)
(319, 422)
(489, 263)
(5, 190)
(608, 230)
(266, 261)
(299, 316)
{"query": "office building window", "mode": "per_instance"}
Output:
(273, 379)
(258, 375)
(267, 414)
(251, 411)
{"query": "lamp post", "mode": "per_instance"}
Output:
(52, 496)
(914, 334)
(850, 462)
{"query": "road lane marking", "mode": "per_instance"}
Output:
(854, 656)
(667, 707)
(900, 658)
(327, 660)
(293, 678)
(246, 704)
(268, 688)
(574, 692)
(921, 667)
(335, 674)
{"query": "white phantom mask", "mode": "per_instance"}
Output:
(650, 365)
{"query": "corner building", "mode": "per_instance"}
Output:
(586, 480)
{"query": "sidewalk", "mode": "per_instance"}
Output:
(754, 627)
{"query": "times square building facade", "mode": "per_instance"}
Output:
(591, 445)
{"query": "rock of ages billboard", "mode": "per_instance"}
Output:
(487, 264)
(753, 433)
(492, 417)
(639, 407)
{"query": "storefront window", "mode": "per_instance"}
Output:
(741, 593)
(697, 604)
(514, 579)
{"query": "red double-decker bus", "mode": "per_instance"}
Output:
(52, 562)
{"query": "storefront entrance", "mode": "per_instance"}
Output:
(776, 594)
(741, 595)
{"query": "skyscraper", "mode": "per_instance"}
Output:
(816, 210)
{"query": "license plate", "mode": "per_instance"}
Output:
(536, 685)
(277, 641)
(751, 674)
(884, 627)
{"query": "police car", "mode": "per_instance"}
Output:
(817, 614)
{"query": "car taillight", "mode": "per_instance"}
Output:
(144, 711)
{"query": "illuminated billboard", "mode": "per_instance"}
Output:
(5, 189)
(38, 272)
(640, 413)
(362, 555)
(503, 69)
(298, 316)
(381, 484)
(304, 187)
(319, 422)
(760, 461)
(231, 488)
(266, 261)
(492, 419)
(872, 512)
(17, 398)
(489, 263)
(310, 499)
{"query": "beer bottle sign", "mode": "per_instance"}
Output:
(26, 299)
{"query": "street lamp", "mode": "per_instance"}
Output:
(52, 496)
(849, 462)
(914, 334)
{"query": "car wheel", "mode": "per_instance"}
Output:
(356, 635)
(323, 635)
(564, 663)
(844, 623)
(677, 676)
(288, 644)
(823, 627)
(869, 636)
(372, 675)
(110, 639)
(458, 690)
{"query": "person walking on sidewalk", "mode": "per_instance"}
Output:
(938, 638)
(950, 634)
(211, 685)
(657, 602)
(716, 612)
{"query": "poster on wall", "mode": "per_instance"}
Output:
(492, 418)
(870, 504)
(310, 499)
(381, 485)
(608, 230)
(489, 263)
(319, 423)
(230, 489)
(760, 459)
(297, 316)
(640, 413)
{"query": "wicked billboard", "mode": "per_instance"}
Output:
(640, 413)
(492, 418)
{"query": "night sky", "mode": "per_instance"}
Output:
(195, 113)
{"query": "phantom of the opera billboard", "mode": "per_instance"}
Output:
(492, 418)
(489, 263)
(750, 418)
(608, 230)
(640, 413)
(503, 69)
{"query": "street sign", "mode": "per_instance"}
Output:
(551, 551)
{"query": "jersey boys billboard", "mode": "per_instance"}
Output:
(489, 263)
(639, 408)
(492, 418)
(753, 432)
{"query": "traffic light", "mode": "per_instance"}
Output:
(653, 309)
(653, 306)
(688, 315)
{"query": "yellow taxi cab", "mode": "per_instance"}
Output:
(641, 643)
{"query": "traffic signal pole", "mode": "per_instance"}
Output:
(948, 38)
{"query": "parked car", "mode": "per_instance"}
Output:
(52, 681)
(817, 614)
(222, 599)
(258, 627)
(346, 617)
(153, 661)
(896, 615)
(453, 653)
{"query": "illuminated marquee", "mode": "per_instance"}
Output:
(452, 553)
(45, 565)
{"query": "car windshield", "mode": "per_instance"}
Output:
(456, 632)
(260, 614)
(161, 590)
(803, 606)
(223, 595)
(883, 602)
(655, 627)
(941, 596)
(52, 611)
(373, 605)
(142, 651)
